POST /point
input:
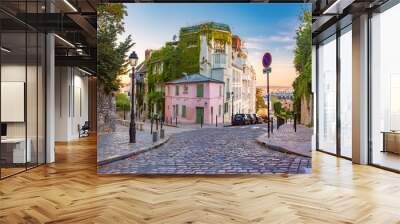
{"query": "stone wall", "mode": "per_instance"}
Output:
(106, 111)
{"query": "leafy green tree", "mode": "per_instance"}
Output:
(111, 55)
(111, 60)
(302, 61)
(260, 103)
(123, 103)
(277, 108)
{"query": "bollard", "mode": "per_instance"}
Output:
(176, 121)
(201, 122)
(161, 124)
(216, 120)
(151, 126)
(272, 126)
(155, 136)
(162, 134)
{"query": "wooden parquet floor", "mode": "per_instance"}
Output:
(70, 191)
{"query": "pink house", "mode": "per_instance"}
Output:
(193, 99)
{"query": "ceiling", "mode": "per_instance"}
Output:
(73, 22)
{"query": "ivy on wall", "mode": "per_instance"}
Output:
(302, 62)
(183, 56)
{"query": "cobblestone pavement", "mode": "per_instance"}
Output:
(231, 150)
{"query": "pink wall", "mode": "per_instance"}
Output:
(211, 98)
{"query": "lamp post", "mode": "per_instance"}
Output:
(133, 58)
(232, 94)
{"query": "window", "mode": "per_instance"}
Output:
(175, 110)
(176, 90)
(192, 43)
(226, 108)
(346, 93)
(219, 46)
(22, 103)
(185, 89)
(219, 110)
(184, 111)
(220, 90)
(327, 95)
(385, 89)
(200, 90)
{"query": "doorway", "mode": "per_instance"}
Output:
(199, 114)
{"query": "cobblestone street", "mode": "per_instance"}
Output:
(231, 150)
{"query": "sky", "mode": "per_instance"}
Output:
(263, 27)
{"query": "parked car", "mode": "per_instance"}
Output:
(253, 119)
(240, 119)
(259, 119)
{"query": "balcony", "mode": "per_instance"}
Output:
(219, 60)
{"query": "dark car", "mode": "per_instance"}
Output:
(252, 118)
(240, 119)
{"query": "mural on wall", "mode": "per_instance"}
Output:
(192, 97)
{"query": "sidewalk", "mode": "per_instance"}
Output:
(115, 146)
(285, 139)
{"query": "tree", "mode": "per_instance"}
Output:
(302, 63)
(123, 102)
(111, 60)
(277, 108)
(260, 103)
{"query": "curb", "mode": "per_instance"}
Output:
(279, 148)
(144, 149)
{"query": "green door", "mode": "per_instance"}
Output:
(199, 114)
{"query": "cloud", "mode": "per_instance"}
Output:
(279, 38)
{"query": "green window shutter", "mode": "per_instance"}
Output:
(200, 90)
(183, 111)
(176, 90)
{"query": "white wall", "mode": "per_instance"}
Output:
(71, 103)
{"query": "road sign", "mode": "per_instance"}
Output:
(267, 60)
(267, 70)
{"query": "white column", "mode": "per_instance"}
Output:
(314, 90)
(360, 90)
(50, 101)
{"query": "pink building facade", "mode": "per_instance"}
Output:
(194, 99)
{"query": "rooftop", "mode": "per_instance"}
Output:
(208, 25)
(194, 78)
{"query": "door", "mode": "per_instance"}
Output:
(212, 115)
(199, 114)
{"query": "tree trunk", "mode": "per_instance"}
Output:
(106, 111)
(306, 111)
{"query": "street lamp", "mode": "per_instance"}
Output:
(133, 58)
